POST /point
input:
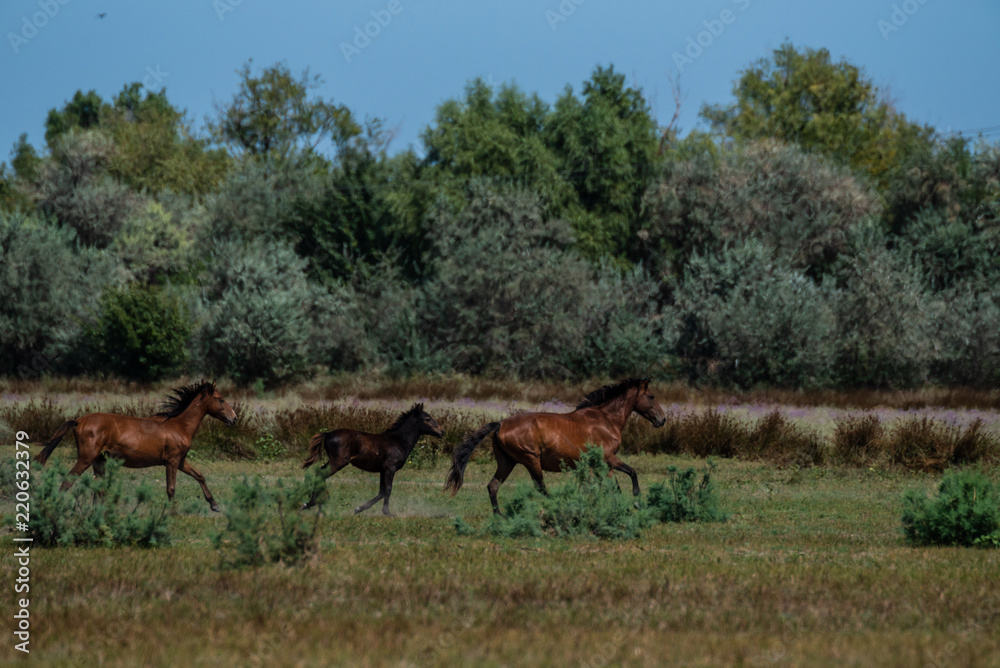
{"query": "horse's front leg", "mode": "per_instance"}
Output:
(381, 495)
(171, 480)
(618, 465)
(193, 472)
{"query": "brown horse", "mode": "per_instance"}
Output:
(383, 453)
(547, 441)
(161, 440)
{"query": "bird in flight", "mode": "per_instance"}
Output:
(101, 15)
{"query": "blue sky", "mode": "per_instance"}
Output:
(939, 62)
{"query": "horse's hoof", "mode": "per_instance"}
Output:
(215, 508)
(305, 506)
(358, 510)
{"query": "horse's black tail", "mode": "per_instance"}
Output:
(463, 453)
(43, 456)
(315, 450)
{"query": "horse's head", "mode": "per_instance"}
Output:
(647, 406)
(217, 406)
(429, 425)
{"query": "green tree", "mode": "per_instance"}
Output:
(272, 114)
(141, 333)
(361, 211)
(155, 147)
(85, 110)
(505, 292)
(49, 284)
(804, 98)
(606, 144)
(74, 186)
(258, 319)
(800, 206)
(495, 136)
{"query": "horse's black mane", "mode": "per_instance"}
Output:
(182, 397)
(416, 411)
(609, 392)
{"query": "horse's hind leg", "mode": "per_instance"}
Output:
(82, 464)
(618, 465)
(505, 464)
(331, 468)
(193, 472)
(99, 465)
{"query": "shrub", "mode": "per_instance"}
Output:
(253, 536)
(857, 440)
(75, 188)
(926, 444)
(588, 504)
(505, 294)
(801, 206)
(965, 512)
(258, 320)
(48, 285)
(154, 244)
(967, 350)
(884, 319)
(712, 433)
(95, 511)
(683, 498)
(618, 329)
(141, 333)
(776, 439)
(786, 329)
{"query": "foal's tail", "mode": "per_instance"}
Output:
(315, 450)
(463, 453)
(43, 456)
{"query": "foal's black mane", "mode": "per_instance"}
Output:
(414, 412)
(609, 393)
(182, 398)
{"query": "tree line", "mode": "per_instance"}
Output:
(812, 237)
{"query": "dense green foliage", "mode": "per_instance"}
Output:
(684, 498)
(95, 511)
(965, 512)
(816, 238)
(254, 536)
(141, 333)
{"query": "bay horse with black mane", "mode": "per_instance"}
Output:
(383, 453)
(161, 440)
(547, 441)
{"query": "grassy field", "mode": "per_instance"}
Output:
(811, 569)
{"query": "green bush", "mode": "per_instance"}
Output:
(95, 511)
(265, 525)
(799, 205)
(48, 285)
(141, 333)
(588, 504)
(258, 319)
(884, 318)
(683, 498)
(786, 322)
(505, 291)
(965, 512)
(75, 188)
